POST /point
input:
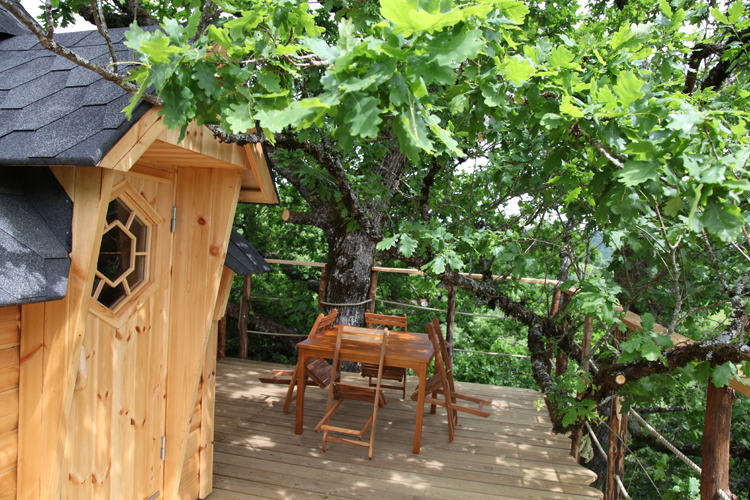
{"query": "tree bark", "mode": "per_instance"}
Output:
(716, 434)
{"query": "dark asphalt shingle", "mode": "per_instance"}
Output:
(243, 258)
(33, 91)
(35, 236)
(53, 111)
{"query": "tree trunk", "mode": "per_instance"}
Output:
(716, 434)
(350, 259)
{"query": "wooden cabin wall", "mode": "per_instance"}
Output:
(90, 425)
(51, 336)
(206, 201)
(10, 369)
(117, 417)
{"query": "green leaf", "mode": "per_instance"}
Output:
(628, 88)
(686, 122)
(722, 373)
(735, 12)
(674, 206)
(570, 416)
(445, 136)
(567, 108)
(518, 70)
(638, 172)
(239, 118)
(205, 75)
(650, 350)
(408, 245)
(561, 57)
(386, 243)
(415, 128)
(364, 117)
(438, 265)
(449, 49)
(719, 16)
(270, 82)
(725, 221)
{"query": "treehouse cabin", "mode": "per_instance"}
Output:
(114, 235)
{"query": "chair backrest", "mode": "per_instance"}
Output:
(374, 320)
(432, 333)
(322, 323)
(381, 337)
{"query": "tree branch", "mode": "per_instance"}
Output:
(58, 49)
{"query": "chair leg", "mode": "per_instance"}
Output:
(290, 390)
(325, 439)
(404, 395)
(364, 429)
(433, 408)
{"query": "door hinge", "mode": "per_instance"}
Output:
(163, 451)
(173, 222)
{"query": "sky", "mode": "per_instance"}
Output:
(33, 7)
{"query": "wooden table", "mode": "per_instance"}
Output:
(404, 349)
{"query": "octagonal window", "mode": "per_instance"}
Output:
(122, 266)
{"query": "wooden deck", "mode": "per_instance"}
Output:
(509, 455)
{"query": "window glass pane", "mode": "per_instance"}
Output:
(117, 210)
(138, 228)
(110, 297)
(139, 273)
(114, 254)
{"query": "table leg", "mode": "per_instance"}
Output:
(420, 408)
(301, 384)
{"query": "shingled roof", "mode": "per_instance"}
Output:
(243, 258)
(35, 236)
(52, 111)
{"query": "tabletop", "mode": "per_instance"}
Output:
(402, 347)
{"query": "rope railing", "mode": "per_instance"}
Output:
(346, 305)
(437, 310)
(666, 443)
(493, 353)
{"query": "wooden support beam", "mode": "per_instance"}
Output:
(716, 439)
(247, 285)
(588, 330)
(222, 342)
(450, 321)
(322, 289)
(373, 293)
(618, 438)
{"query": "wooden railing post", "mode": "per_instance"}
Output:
(450, 321)
(716, 437)
(244, 311)
(222, 341)
(561, 360)
(373, 291)
(588, 330)
(618, 435)
(618, 438)
(322, 289)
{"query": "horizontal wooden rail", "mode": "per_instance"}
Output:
(633, 322)
(400, 270)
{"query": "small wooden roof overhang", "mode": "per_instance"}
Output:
(149, 147)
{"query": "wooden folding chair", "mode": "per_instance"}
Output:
(441, 383)
(316, 368)
(389, 372)
(343, 392)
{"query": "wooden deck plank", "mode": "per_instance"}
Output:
(512, 454)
